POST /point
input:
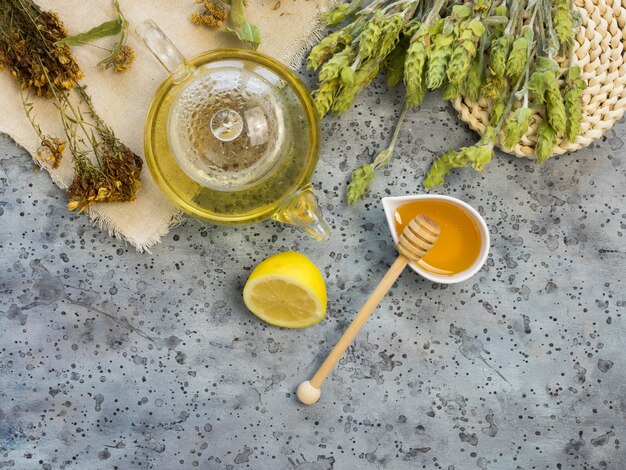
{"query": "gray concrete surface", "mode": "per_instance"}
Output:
(110, 359)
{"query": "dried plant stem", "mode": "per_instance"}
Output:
(32, 48)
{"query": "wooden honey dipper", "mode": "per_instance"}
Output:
(416, 240)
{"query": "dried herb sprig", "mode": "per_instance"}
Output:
(121, 54)
(27, 48)
(118, 177)
(491, 49)
(105, 169)
(363, 176)
(476, 156)
(572, 96)
(229, 15)
(214, 13)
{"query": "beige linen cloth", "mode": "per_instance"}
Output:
(288, 27)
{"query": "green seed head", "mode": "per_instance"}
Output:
(473, 80)
(546, 139)
(464, 50)
(414, 66)
(360, 183)
(370, 36)
(499, 53)
(516, 126)
(563, 21)
(325, 95)
(574, 88)
(391, 29)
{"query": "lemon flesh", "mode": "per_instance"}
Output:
(286, 290)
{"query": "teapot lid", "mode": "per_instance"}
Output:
(230, 124)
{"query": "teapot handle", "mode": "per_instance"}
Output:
(302, 210)
(164, 50)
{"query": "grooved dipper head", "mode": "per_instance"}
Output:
(418, 237)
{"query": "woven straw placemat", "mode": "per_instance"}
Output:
(599, 52)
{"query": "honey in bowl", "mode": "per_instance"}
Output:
(459, 243)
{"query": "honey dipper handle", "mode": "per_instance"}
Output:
(368, 308)
(416, 240)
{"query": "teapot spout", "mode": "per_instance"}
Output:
(164, 50)
(302, 210)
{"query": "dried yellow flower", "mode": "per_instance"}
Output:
(51, 150)
(213, 15)
(123, 59)
(28, 51)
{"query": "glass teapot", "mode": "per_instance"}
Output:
(232, 136)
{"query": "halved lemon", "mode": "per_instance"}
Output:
(286, 290)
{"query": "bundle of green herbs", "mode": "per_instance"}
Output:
(508, 52)
(32, 48)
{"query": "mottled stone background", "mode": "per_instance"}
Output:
(110, 359)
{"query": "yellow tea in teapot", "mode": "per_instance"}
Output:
(232, 136)
(459, 243)
(233, 142)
